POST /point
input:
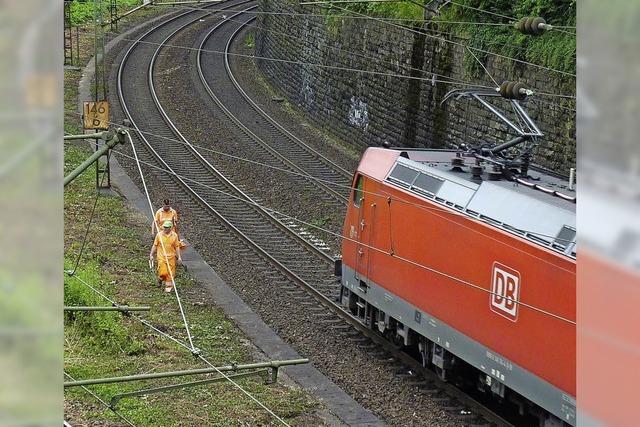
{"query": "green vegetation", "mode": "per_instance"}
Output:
(72, 123)
(397, 10)
(103, 330)
(412, 13)
(114, 261)
(322, 222)
(83, 12)
(250, 41)
(553, 49)
(103, 344)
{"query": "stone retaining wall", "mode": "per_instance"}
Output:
(398, 98)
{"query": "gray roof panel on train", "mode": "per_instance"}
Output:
(543, 218)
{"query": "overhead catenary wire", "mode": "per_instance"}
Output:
(175, 286)
(301, 14)
(355, 17)
(447, 212)
(294, 173)
(553, 104)
(477, 9)
(382, 251)
(93, 210)
(330, 2)
(359, 55)
(245, 392)
(423, 266)
(558, 28)
(290, 172)
(510, 18)
(451, 81)
(138, 318)
(462, 45)
(482, 65)
(408, 68)
(199, 355)
(151, 209)
(403, 65)
(333, 67)
(99, 399)
(509, 24)
(313, 64)
(367, 17)
(555, 95)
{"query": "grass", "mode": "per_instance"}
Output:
(72, 121)
(83, 13)
(110, 344)
(250, 41)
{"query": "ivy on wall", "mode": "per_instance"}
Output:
(553, 49)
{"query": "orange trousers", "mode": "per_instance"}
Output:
(166, 271)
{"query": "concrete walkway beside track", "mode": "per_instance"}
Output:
(344, 410)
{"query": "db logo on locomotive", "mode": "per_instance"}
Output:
(505, 291)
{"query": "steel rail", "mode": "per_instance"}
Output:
(225, 222)
(195, 194)
(127, 113)
(207, 165)
(347, 174)
(326, 301)
(252, 135)
(135, 126)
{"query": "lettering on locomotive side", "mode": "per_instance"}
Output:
(500, 360)
(505, 291)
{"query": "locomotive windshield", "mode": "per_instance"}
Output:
(357, 192)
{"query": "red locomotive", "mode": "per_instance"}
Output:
(468, 266)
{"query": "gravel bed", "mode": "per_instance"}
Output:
(370, 380)
(274, 102)
(204, 125)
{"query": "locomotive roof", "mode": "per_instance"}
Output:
(528, 208)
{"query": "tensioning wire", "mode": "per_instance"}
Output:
(382, 251)
(283, 170)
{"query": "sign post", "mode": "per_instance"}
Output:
(96, 116)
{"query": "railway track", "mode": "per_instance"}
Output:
(260, 128)
(288, 260)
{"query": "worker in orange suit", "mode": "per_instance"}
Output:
(166, 248)
(165, 213)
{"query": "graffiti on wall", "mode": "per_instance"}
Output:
(358, 114)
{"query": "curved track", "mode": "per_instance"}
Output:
(288, 260)
(214, 192)
(261, 129)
